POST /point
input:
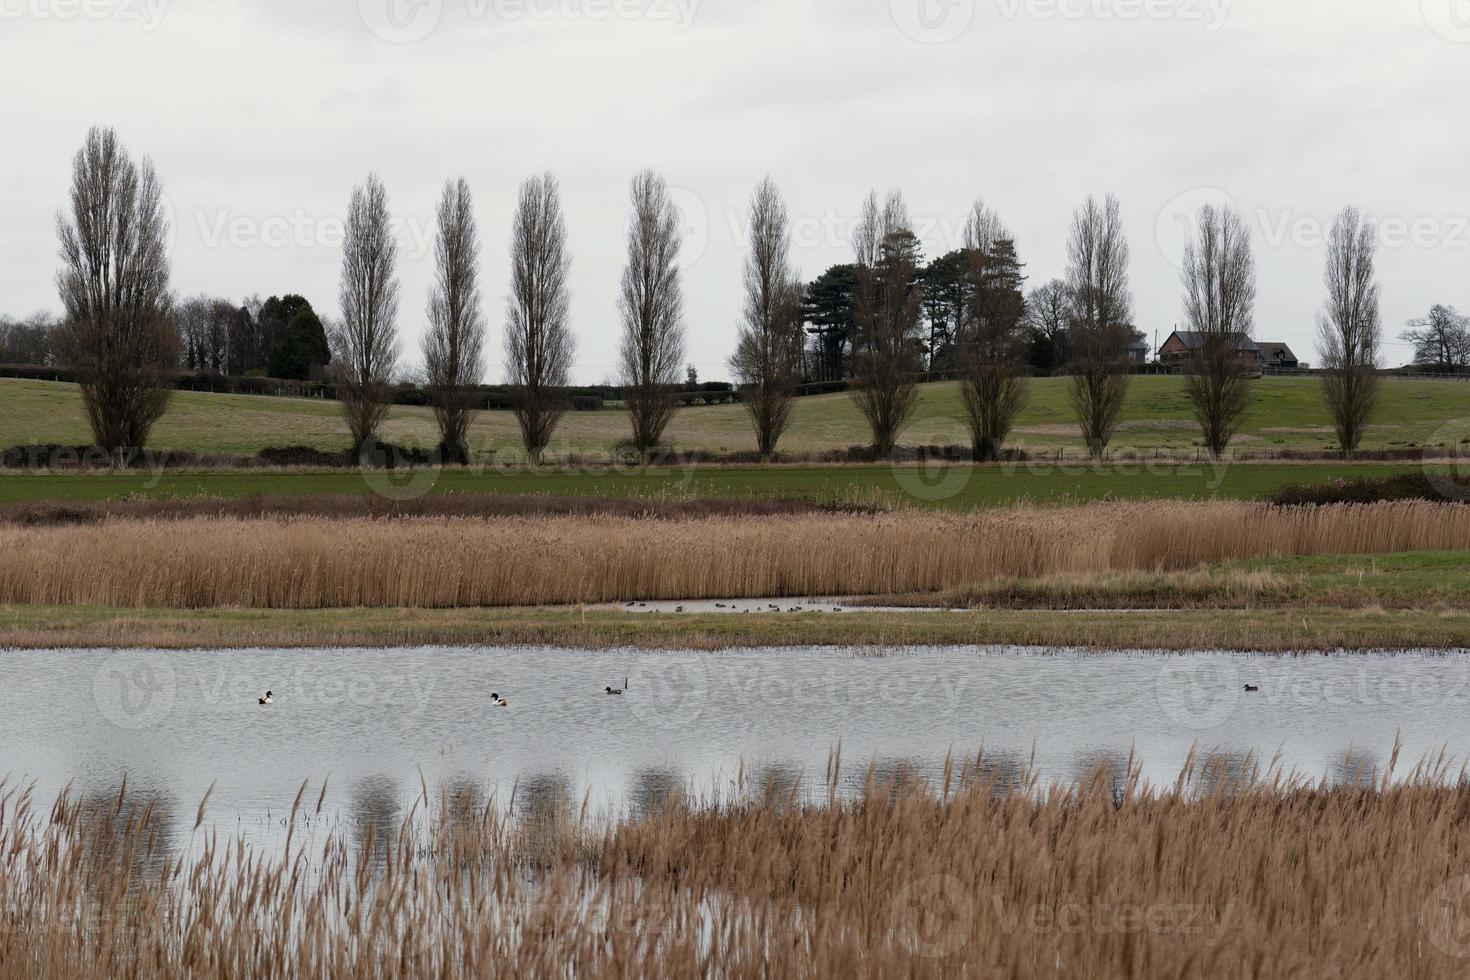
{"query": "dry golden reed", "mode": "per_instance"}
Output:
(1220, 876)
(309, 563)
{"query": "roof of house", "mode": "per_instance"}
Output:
(1276, 351)
(1195, 340)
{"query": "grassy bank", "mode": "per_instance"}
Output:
(1227, 873)
(1286, 413)
(941, 486)
(1265, 631)
(1429, 581)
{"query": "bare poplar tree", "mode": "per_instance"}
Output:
(651, 305)
(867, 236)
(538, 336)
(1098, 327)
(366, 341)
(1219, 278)
(1349, 329)
(887, 353)
(454, 343)
(114, 286)
(768, 352)
(983, 228)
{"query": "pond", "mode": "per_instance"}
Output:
(381, 725)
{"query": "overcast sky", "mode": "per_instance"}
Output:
(260, 116)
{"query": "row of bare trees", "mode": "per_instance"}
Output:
(114, 285)
(119, 337)
(1093, 310)
(1219, 280)
(538, 339)
(539, 345)
(887, 345)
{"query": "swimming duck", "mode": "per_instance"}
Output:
(1251, 689)
(498, 701)
(267, 699)
(614, 690)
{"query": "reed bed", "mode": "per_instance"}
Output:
(316, 563)
(1224, 874)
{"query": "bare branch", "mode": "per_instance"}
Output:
(114, 286)
(768, 351)
(538, 334)
(367, 342)
(1349, 329)
(651, 305)
(1219, 279)
(1441, 340)
(1099, 325)
(454, 343)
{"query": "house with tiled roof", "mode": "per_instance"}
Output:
(1182, 345)
(1275, 354)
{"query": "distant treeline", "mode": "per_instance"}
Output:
(588, 398)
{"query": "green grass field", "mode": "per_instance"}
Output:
(1266, 631)
(1430, 581)
(958, 487)
(1287, 413)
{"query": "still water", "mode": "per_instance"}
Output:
(381, 725)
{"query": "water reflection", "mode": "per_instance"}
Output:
(883, 780)
(777, 784)
(375, 813)
(1222, 773)
(462, 801)
(112, 821)
(652, 790)
(1105, 769)
(1355, 767)
(544, 812)
(1003, 772)
(754, 725)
